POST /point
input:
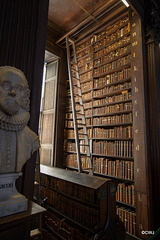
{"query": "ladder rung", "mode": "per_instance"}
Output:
(80, 113)
(82, 124)
(74, 70)
(74, 63)
(77, 95)
(78, 103)
(84, 145)
(84, 134)
(76, 78)
(87, 169)
(75, 85)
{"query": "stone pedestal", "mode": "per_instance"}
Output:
(11, 201)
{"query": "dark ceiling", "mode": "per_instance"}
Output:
(67, 13)
(78, 17)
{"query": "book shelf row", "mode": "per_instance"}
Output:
(60, 227)
(113, 148)
(102, 133)
(116, 168)
(106, 40)
(108, 30)
(113, 78)
(111, 55)
(70, 189)
(84, 215)
(111, 89)
(126, 193)
(128, 217)
(111, 66)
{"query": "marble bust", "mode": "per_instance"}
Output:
(17, 141)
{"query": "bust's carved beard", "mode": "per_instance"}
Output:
(10, 107)
(14, 122)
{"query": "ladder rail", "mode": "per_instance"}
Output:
(81, 101)
(73, 107)
(80, 112)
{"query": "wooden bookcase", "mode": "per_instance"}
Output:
(108, 75)
(79, 206)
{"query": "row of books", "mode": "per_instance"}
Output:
(112, 89)
(81, 213)
(126, 193)
(69, 133)
(61, 227)
(112, 37)
(88, 112)
(128, 217)
(113, 108)
(84, 45)
(85, 59)
(113, 148)
(112, 46)
(115, 168)
(85, 52)
(86, 67)
(113, 65)
(87, 104)
(87, 95)
(115, 132)
(69, 188)
(109, 78)
(120, 119)
(86, 75)
(58, 226)
(71, 161)
(105, 41)
(111, 55)
(125, 95)
(87, 86)
(112, 78)
(48, 235)
(103, 33)
(71, 147)
(111, 28)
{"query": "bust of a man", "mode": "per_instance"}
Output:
(17, 141)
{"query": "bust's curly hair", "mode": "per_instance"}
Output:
(25, 102)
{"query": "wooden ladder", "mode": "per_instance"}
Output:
(81, 137)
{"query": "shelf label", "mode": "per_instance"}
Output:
(135, 68)
(136, 113)
(139, 198)
(137, 131)
(138, 170)
(134, 54)
(136, 101)
(133, 24)
(134, 43)
(136, 89)
(134, 34)
(137, 147)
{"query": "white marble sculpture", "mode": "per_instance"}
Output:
(17, 140)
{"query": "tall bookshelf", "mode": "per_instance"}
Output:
(107, 74)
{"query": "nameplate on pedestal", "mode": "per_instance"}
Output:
(11, 201)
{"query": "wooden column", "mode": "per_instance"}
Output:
(141, 168)
(22, 45)
(153, 100)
